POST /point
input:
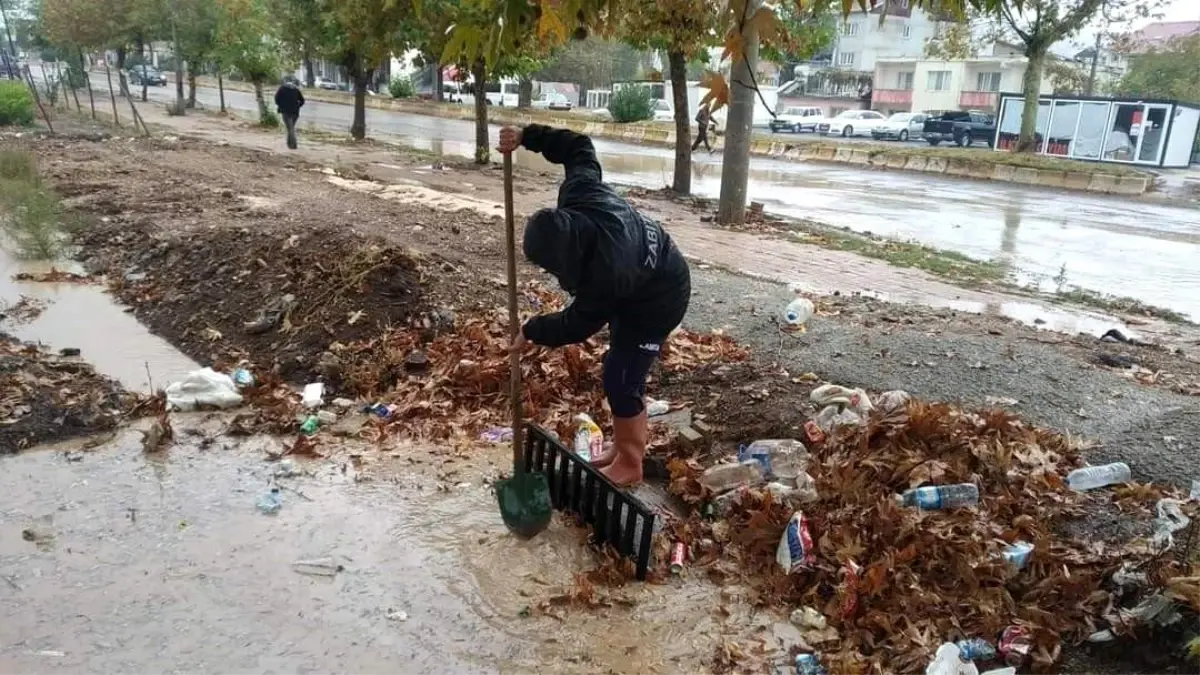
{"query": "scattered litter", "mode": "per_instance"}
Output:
(722, 478)
(318, 567)
(1001, 400)
(799, 311)
(50, 652)
(976, 649)
(678, 557)
(286, 469)
(343, 403)
(397, 615)
(69, 351)
(655, 408)
(933, 497)
(589, 439)
(74, 456)
(795, 550)
(381, 410)
(809, 617)
(1016, 644)
(809, 664)
(156, 437)
(892, 400)
(270, 316)
(271, 502)
(1194, 495)
(497, 435)
(314, 394)
(1017, 554)
(948, 661)
(1155, 610)
(1170, 520)
(310, 425)
(243, 377)
(1127, 577)
(327, 416)
(784, 459)
(833, 394)
(204, 388)
(833, 416)
(1092, 477)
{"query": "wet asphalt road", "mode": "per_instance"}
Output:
(1053, 239)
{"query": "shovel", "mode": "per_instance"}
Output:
(525, 497)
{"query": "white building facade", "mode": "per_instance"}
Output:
(928, 85)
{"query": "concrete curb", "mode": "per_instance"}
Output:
(659, 134)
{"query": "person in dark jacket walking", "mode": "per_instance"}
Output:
(621, 269)
(703, 119)
(288, 101)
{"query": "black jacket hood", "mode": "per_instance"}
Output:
(557, 242)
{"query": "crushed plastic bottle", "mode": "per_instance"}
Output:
(781, 458)
(243, 377)
(656, 407)
(310, 425)
(933, 497)
(1092, 477)
(809, 664)
(948, 661)
(1017, 554)
(976, 649)
(271, 502)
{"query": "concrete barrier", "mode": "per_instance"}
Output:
(936, 165)
(1026, 176)
(1102, 182)
(1004, 172)
(860, 156)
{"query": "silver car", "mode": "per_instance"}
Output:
(901, 127)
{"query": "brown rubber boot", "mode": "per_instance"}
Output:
(630, 436)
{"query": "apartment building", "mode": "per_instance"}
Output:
(903, 85)
(842, 79)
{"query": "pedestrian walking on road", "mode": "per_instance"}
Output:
(621, 269)
(703, 119)
(288, 101)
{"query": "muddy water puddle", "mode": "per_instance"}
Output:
(84, 317)
(152, 563)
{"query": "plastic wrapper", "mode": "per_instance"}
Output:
(795, 550)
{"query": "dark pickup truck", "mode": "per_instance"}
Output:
(960, 127)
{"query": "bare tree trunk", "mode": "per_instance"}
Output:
(525, 93)
(112, 95)
(358, 129)
(439, 82)
(261, 99)
(221, 88)
(682, 183)
(1091, 81)
(1031, 88)
(482, 151)
(180, 101)
(87, 82)
(310, 76)
(145, 85)
(191, 97)
(735, 172)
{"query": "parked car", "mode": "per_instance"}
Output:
(962, 127)
(901, 127)
(151, 76)
(851, 123)
(330, 85)
(553, 101)
(796, 120)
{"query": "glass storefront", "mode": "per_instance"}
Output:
(1099, 130)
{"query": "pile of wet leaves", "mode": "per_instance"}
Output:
(45, 397)
(894, 582)
(228, 295)
(463, 383)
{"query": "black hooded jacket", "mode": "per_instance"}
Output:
(289, 99)
(621, 267)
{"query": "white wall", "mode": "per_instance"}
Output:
(870, 41)
(1183, 134)
(925, 98)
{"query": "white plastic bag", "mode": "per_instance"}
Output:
(947, 661)
(203, 388)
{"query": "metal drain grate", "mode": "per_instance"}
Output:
(579, 488)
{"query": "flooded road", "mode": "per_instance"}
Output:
(155, 563)
(1051, 239)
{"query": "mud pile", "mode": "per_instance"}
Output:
(893, 582)
(46, 398)
(277, 301)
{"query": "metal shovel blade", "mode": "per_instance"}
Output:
(525, 503)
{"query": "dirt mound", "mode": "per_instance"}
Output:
(46, 398)
(278, 301)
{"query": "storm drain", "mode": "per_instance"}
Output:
(578, 488)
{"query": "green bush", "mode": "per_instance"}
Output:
(16, 105)
(18, 165)
(631, 104)
(31, 215)
(269, 118)
(402, 87)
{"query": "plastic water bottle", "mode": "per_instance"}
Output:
(1092, 477)
(934, 497)
(809, 664)
(798, 311)
(1017, 554)
(271, 502)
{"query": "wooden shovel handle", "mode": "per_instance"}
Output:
(514, 323)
